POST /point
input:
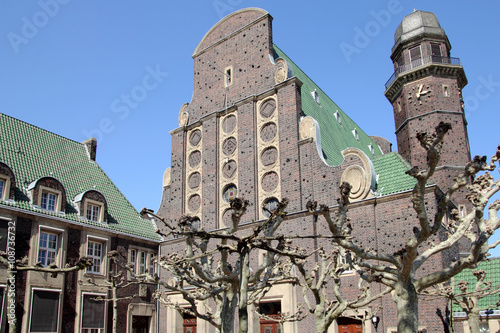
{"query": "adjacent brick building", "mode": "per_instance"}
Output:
(258, 127)
(58, 205)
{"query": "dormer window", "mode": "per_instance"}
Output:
(337, 117)
(47, 193)
(94, 212)
(372, 149)
(92, 206)
(315, 96)
(355, 133)
(7, 182)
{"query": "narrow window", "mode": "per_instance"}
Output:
(48, 201)
(152, 268)
(415, 57)
(399, 106)
(93, 312)
(94, 251)
(2, 188)
(133, 260)
(47, 248)
(93, 212)
(372, 149)
(436, 49)
(142, 262)
(228, 77)
(462, 210)
(446, 91)
(44, 311)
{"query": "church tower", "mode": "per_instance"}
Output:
(425, 89)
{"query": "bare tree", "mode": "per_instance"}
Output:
(324, 277)
(215, 268)
(468, 300)
(20, 265)
(398, 270)
(114, 282)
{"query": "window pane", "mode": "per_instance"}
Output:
(44, 311)
(415, 53)
(4, 232)
(94, 251)
(93, 312)
(2, 187)
(47, 249)
(435, 49)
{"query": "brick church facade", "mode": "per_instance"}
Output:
(259, 128)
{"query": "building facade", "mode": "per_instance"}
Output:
(259, 128)
(57, 205)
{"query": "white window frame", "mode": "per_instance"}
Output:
(100, 205)
(54, 231)
(4, 189)
(102, 266)
(92, 330)
(228, 76)
(135, 261)
(315, 96)
(4, 298)
(47, 190)
(355, 133)
(58, 310)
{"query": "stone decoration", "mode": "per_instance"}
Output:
(195, 138)
(269, 156)
(229, 169)
(267, 108)
(183, 115)
(194, 203)
(229, 146)
(230, 192)
(194, 158)
(270, 181)
(194, 180)
(268, 132)
(307, 128)
(229, 124)
(167, 177)
(282, 71)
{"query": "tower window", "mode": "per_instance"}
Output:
(446, 91)
(435, 49)
(415, 56)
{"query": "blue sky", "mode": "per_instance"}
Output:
(67, 66)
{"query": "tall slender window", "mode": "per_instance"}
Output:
(415, 56)
(2, 188)
(94, 251)
(47, 248)
(142, 262)
(44, 311)
(93, 312)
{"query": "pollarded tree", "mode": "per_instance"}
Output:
(467, 299)
(324, 282)
(399, 270)
(7, 259)
(215, 268)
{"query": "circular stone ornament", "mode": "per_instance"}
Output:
(268, 132)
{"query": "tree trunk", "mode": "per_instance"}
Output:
(243, 290)
(115, 306)
(228, 309)
(406, 299)
(473, 320)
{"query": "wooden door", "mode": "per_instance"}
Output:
(349, 325)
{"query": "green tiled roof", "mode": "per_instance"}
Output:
(335, 137)
(32, 153)
(492, 268)
(391, 169)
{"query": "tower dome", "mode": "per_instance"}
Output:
(418, 24)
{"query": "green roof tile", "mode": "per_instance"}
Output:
(32, 153)
(391, 169)
(335, 137)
